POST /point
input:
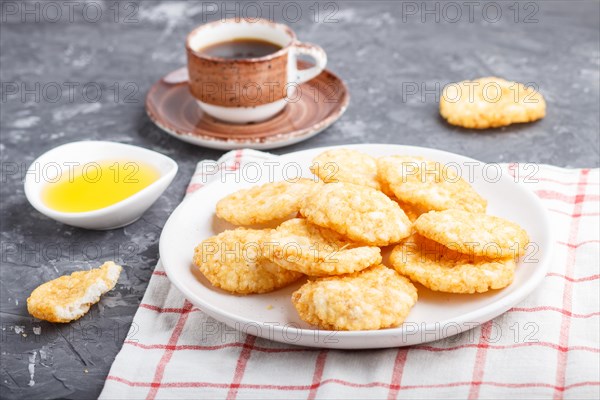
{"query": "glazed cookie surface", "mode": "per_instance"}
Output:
(375, 298)
(438, 268)
(300, 246)
(427, 184)
(69, 297)
(474, 233)
(265, 203)
(490, 103)
(360, 213)
(234, 261)
(346, 165)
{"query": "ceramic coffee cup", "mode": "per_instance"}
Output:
(248, 89)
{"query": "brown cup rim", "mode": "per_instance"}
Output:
(278, 53)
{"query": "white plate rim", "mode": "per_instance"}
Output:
(477, 316)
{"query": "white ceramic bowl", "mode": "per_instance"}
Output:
(58, 161)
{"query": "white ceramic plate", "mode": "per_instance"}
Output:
(435, 316)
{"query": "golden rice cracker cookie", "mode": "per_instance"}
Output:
(428, 184)
(438, 268)
(233, 261)
(300, 246)
(490, 103)
(374, 298)
(345, 165)
(360, 213)
(412, 211)
(69, 297)
(474, 233)
(265, 203)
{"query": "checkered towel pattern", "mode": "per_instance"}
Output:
(547, 346)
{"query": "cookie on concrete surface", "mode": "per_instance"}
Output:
(490, 103)
(69, 297)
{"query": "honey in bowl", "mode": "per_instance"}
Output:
(97, 185)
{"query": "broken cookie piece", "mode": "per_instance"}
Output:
(69, 297)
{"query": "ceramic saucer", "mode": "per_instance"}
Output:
(319, 103)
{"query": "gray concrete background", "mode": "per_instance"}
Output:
(378, 48)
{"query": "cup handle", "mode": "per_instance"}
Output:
(311, 50)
